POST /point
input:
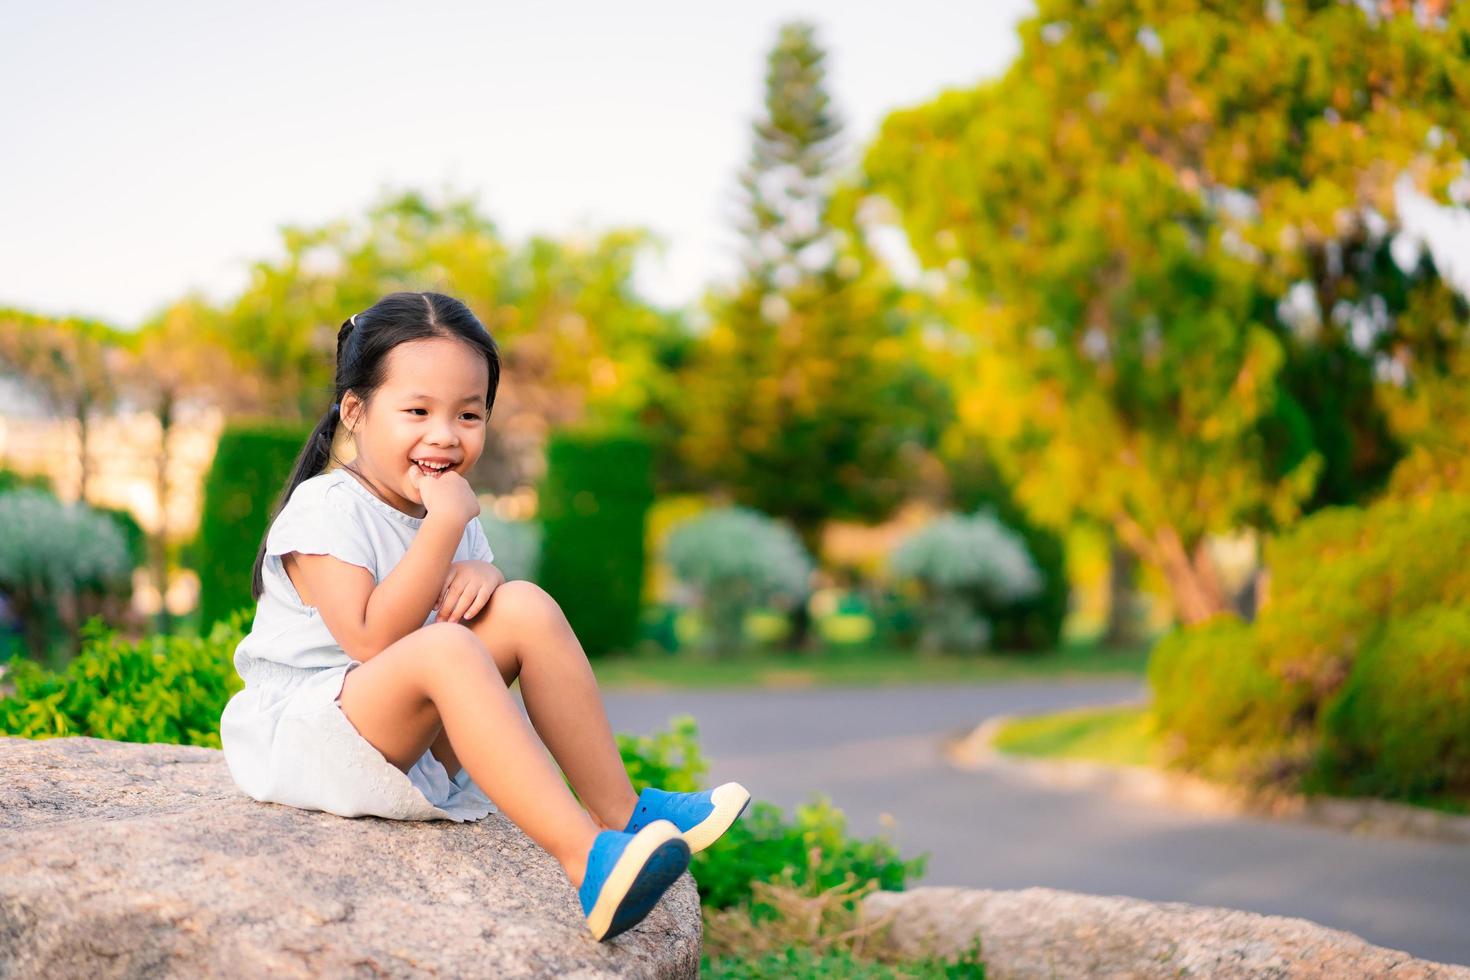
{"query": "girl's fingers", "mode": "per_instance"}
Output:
(462, 602)
(452, 594)
(480, 600)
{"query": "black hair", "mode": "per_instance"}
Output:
(363, 343)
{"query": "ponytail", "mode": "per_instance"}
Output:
(312, 459)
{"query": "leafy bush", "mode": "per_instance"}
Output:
(668, 760)
(244, 485)
(737, 560)
(161, 689)
(593, 503)
(1400, 727)
(1318, 688)
(968, 569)
(763, 844)
(1221, 710)
(53, 555)
(516, 544)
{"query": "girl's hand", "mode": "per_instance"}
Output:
(467, 590)
(446, 492)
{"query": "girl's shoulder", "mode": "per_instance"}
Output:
(315, 489)
(324, 492)
(322, 518)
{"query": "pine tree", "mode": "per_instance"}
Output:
(787, 181)
(802, 402)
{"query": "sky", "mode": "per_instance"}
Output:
(155, 147)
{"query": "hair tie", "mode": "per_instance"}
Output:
(352, 319)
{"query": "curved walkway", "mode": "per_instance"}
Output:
(877, 754)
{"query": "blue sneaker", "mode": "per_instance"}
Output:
(700, 817)
(626, 875)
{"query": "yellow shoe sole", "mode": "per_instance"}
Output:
(625, 897)
(730, 800)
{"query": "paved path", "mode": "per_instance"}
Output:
(877, 752)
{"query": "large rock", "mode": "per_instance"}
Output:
(1043, 933)
(145, 860)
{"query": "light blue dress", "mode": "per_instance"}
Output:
(284, 735)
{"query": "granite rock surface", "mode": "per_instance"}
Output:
(1041, 932)
(131, 860)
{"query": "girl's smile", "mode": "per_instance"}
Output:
(429, 416)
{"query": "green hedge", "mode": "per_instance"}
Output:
(1327, 689)
(11, 480)
(593, 503)
(250, 469)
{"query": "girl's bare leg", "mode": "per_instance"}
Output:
(441, 677)
(526, 632)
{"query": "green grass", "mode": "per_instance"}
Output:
(1115, 735)
(863, 668)
(1123, 736)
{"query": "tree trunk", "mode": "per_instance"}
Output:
(1122, 628)
(158, 547)
(1194, 583)
(82, 452)
(802, 635)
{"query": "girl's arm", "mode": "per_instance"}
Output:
(365, 619)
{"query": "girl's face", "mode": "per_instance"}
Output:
(430, 408)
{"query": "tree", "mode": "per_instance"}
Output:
(72, 362)
(1123, 220)
(172, 360)
(577, 343)
(801, 401)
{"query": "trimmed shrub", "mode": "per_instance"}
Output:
(168, 689)
(737, 560)
(593, 503)
(243, 488)
(133, 533)
(969, 570)
(48, 550)
(516, 544)
(1033, 623)
(1400, 727)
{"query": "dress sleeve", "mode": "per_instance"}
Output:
(479, 544)
(319, 527)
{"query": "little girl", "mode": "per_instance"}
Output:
(377, 668)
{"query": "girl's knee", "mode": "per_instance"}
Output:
(455, 647)
(526, 598)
